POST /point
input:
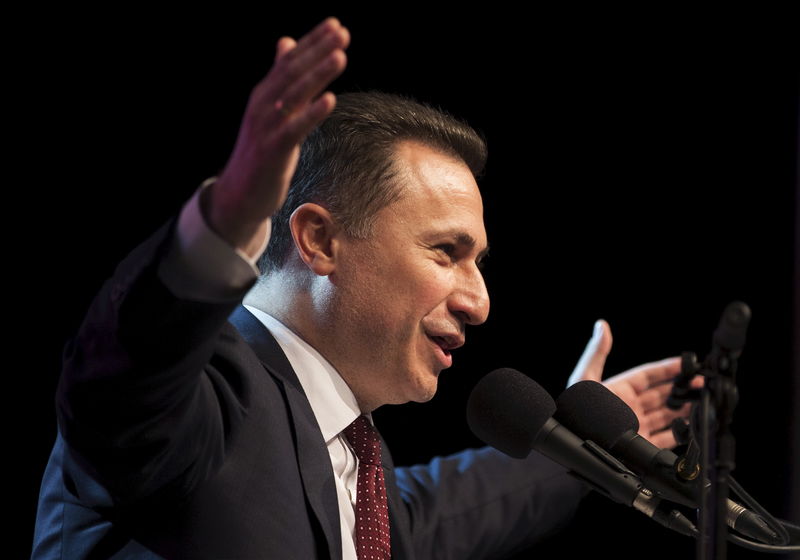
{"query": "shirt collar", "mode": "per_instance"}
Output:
(331, 399)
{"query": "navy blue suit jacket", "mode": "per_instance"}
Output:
(185, 433)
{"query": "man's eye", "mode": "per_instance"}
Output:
(450, 250)
(447, 248)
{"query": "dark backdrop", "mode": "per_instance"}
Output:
(641, 170)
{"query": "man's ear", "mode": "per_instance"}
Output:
(314, 233)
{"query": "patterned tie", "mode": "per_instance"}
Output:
(372, 511)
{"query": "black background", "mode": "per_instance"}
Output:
(642, 169)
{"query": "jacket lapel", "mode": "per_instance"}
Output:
(312, 454)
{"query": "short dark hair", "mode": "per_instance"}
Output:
(347, 166)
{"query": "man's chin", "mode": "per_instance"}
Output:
(426, 389)
(419, 388)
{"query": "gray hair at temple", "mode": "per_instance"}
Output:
(347, 163)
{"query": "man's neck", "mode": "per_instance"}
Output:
(299, 305)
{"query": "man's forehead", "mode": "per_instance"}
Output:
(420, 158)
(429, 172)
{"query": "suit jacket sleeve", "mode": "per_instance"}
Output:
(140, 401)
(484, 504)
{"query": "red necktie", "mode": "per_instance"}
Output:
(372, 511)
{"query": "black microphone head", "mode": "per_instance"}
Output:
(593, 412)
(731, 333)
(506, 409)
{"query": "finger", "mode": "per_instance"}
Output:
(662, 418)
(303, 122)
(314, 81)
(317, 35)
(591, 363)
(318, 44)
(664, 440)
(655, 397)
(308, 53)
(304, 68)
(285, 44)
(646, 376)
(268, 110)
(664, 370)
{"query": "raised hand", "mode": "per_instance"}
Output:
(283, 108)
(644, 388)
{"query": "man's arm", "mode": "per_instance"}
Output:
(283, 108)
(141, 399)
(484, 504)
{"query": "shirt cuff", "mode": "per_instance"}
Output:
(202, 266)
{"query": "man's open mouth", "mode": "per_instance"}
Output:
(442, 343)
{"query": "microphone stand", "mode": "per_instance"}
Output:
(712, 416)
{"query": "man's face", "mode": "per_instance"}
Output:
(404, 296)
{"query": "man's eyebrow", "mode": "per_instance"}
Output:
(465, 239)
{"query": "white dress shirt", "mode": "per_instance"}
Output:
(203, 267)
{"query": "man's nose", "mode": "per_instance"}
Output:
(470, 300)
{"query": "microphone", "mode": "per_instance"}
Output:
(730, 334)
(513, 414)
(595, 413)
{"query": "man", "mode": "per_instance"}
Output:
(192, 427)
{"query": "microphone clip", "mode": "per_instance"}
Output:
(682, 391)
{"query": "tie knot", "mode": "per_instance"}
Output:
(365, 441)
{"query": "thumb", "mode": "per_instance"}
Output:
(591, 363)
